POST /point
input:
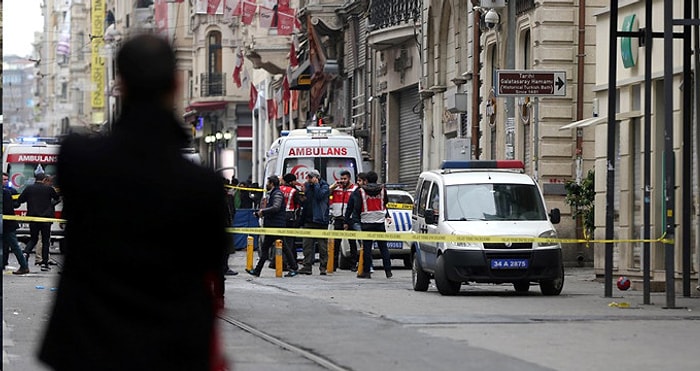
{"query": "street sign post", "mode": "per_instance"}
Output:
(511, 83)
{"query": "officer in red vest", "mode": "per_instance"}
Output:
(341, 192)
(372, 211)
(292, 207)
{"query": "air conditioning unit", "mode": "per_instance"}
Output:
(456, 103)
(493, 4)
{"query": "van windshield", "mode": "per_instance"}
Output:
(493, 202)
(330, 168)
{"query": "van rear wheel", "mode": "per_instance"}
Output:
(444, 285)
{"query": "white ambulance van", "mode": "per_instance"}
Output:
(317, 147)
(21, 161)
(485, 198)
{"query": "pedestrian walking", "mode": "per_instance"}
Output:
(273, 217)
(341, 191)
(9, 234)
(41, 200)
(150, 303)
(315, 216)
(373, 213)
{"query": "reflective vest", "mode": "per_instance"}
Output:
(289, 202)
(339, 200)
(373, 210)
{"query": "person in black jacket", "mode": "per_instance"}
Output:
(41, 200)
(9, 233)
(151, 301)
(274, 216)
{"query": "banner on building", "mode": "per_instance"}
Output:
(253, 100)
(160, 10)
(209, 7)
(286, 21)
(238, 65)
(97, 73)
(63, 46)
(267, 17)
(249, 7)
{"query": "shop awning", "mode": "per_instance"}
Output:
(599, 120)
(207, 106)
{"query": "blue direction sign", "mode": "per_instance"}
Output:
(530, 83)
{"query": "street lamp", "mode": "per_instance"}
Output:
(227, 137)
(209, 140)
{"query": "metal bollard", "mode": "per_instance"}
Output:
(278, 258)
(249, 254)
(360, 261)
(331, 256)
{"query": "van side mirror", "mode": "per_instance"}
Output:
(555, 216)
(430, 216)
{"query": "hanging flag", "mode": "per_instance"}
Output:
(283, 4)
(237, 67)
(213, 6)
(267, 16)
(249, 7)
(285, 88)
(63, 45)
(286, 21)
(271, 109)
(245, 79)
(230, 7)
(293, 60)
(253, 97)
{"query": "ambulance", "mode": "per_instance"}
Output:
(323, 148)
(317, 147)
(21, 161)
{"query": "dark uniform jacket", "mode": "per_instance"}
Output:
(8, 208)
(146, 231)
(41, 200)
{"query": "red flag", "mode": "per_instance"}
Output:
(238, 66)
(282, 4)
(285, 89)
(249, 7)
(293, 61)
(271, 109)
(236, 7)
(286, 21)
(212, 6)
(253, 97)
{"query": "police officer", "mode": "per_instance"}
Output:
(341, 192)
(292, 209)
(371, 207)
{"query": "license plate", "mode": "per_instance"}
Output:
(394, 244)
(509, 263)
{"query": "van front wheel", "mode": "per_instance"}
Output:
(421, 281)
(554, 286)
(444, 285)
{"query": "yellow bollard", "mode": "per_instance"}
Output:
(360, 261)
(249, 254)
(331, 256)
(278, 258)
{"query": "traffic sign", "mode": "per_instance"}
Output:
(530, 83)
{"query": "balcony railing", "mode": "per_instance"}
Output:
(389, 13)
(524, 6)
(213, 84)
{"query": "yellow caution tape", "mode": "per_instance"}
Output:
(244, 188)
(33, 219)
(422, 237)
(394, 205)
(386, 236)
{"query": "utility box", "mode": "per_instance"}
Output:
(456, 103)
(458, 149)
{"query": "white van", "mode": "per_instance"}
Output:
(317, 147)
(21, 161)
(484, 198)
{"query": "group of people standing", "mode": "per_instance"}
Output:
(41, 198)
(314, 205)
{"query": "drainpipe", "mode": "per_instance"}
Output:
(579, 100)
(475, 85)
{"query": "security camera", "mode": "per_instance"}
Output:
(491, 18)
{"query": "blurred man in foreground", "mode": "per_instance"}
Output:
(149, 303)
